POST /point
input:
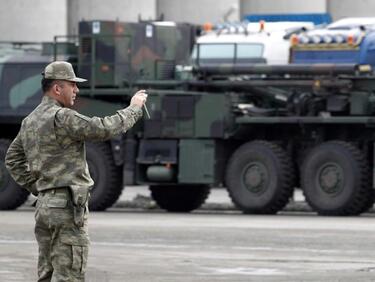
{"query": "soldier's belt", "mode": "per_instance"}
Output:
(58, 190)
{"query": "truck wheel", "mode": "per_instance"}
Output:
(335, 179)
(106, 175)
(179, 198)
(260, 178)
(11, 194)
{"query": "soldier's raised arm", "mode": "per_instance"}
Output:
(80, 127)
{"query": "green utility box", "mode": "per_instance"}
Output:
(196, 162)
(116, 54)
(187, 116)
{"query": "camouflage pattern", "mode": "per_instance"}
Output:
(20, 90)
(21, 66)
(63, 246)
(187, 115)
(200, 116)
(61, 70)
(113, 59)
(126, 52)
(49, 151)
(48, 158)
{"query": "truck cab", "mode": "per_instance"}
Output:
(245, 43)
(346, 41)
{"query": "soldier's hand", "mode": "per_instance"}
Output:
(139, 98)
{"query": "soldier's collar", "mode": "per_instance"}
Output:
(49, 100)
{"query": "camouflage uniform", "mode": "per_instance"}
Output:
(48, 158)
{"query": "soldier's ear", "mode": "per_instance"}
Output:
(56, 89)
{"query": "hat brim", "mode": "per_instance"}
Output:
(77, 79)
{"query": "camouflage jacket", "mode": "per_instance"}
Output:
(49, 149)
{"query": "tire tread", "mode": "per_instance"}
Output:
(113, 182)
(287, 177)
(363, 198)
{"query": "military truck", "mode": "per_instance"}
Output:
(259, 130)
(112, 55)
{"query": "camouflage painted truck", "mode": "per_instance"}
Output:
(112, 55)
(259, 130)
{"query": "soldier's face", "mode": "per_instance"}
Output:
(68, 91)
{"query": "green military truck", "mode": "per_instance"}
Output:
(258, 130)
(112, 55)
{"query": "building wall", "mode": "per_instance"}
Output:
(122, 10)
(282, 6)
(32, 21)
(348, 8)
(40, 20)
(199, 11)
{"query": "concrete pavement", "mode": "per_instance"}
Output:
(205, 246)
(218, 199)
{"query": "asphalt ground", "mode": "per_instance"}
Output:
(142, 244)
(218, 200)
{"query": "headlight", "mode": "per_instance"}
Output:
(303, 39)
(339, 38)
(316, 39)
(327, 39)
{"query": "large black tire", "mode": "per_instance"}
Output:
(179, 198)
(106, 175)
(260, 178)
(335, 178)
(11, 195)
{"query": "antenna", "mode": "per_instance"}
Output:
(232, 9)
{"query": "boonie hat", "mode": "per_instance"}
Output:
(61, 70)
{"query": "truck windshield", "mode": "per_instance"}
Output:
(227, 51)
(14, 48)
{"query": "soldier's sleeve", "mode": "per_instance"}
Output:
(80, 127)
(18, 167)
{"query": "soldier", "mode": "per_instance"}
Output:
(48, 158)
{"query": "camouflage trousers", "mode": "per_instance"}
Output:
(63, 246)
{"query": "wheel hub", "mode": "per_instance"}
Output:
(330, 178)
(254, 177)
